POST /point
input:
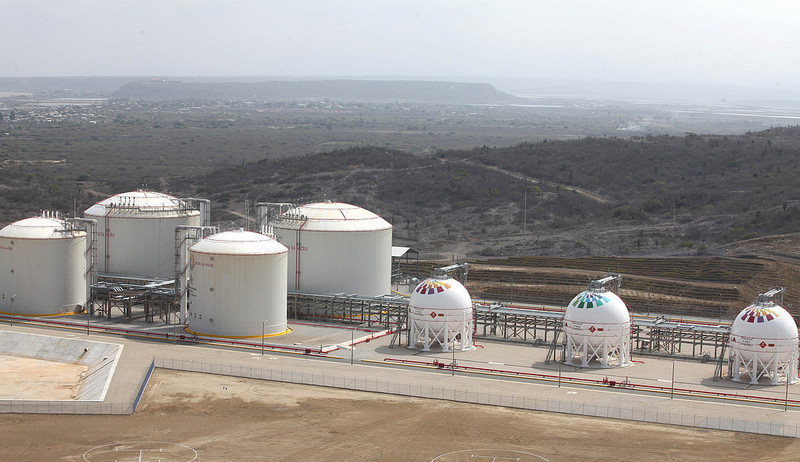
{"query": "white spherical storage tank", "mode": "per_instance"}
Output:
(440, 312)
(597, 326)
(239, 284)
(763, 343)
(136, 232)
(336, 248)
(43, 264)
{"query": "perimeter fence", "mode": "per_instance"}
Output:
(463, 395)
(416, 390)
(22, 406)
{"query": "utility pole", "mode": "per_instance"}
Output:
(525, 213)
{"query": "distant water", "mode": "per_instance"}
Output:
(55, 102)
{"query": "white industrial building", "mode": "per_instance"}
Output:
(440, 312)
(597, 326)
(136, 232)
(336, 248)
(44, 266)
(763, 342)
(239, 283)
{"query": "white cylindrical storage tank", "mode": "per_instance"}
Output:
(43, 264)
(336, 248)
(136, 232)
(597, 326)
(763, 343)
(440, 312)
(239, 285)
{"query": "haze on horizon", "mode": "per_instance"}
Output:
(713, 42)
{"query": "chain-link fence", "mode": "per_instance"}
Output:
(463, 395)
(476, 397)
(20, 406)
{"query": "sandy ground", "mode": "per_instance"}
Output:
(28, 378)
(187, 416)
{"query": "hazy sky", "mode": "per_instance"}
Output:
(698, 41)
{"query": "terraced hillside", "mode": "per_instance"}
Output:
(713, 287)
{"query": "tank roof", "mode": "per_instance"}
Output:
(764, 320)
(440, 293)
(40, 228)
(139, 202)
(331, 216)
(601, 306)
(239, 242)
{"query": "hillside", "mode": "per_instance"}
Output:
(373, 91)
(690, 195)
(712, 287)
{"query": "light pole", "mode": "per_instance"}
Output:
(559, 373)
(454, 358)
(12, 309)
(352, 346)
(786, 401)
(263, 330)
(672, 387)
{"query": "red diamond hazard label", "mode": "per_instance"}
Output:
(762, 344)
(592, 329)
(433, 315)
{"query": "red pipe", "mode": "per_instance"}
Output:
(170, 336)
(436, 364)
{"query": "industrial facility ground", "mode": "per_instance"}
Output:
(190, 416)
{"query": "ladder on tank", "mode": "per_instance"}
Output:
(554, 346)
(720, 362)
(398, 328)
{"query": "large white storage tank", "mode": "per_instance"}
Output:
(136, 232)
(764, 342)
(597, 326)
(239, 284)
(336, 248)
(440, 312)
(43, 267)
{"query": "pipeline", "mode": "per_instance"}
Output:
(167, 336)
(626, 384)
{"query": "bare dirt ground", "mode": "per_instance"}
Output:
(216, 418)
(29, 378)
